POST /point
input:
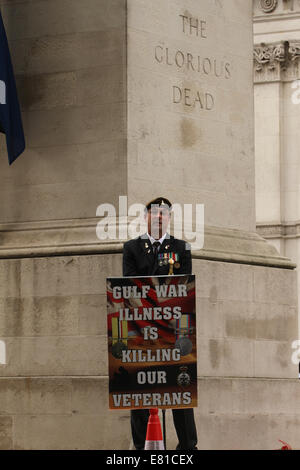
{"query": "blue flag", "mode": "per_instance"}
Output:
(10, 115)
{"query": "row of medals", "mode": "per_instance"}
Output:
(164, 259)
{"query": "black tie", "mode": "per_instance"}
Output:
(156, 246)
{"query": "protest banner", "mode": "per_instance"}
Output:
(152, 342)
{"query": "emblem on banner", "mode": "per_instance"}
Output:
(183, 332)
(183, 378)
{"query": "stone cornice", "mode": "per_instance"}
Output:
(266, 10)
(277, 230)
(277, 61)
(78, 237)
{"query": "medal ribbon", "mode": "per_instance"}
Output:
(173, 256)
(119, 330)
(123, 331)
(183, 326)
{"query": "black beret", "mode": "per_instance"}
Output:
(159, 201)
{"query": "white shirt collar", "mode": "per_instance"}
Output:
(152, 240)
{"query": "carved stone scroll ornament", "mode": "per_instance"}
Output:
(273, 62)
(294, 51)
(268, 6)
(268, 56)
(273, 56)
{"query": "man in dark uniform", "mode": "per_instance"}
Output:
(141, 258)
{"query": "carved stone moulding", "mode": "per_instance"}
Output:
(269, 56)
(265, 10)
(294, 51)
(268, 6)
(78, 237)
(279, 231)
(273, 62)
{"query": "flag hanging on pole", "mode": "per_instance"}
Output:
(10, 115)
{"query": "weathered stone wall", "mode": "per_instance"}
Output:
(190, 126)
(54, 389)
(277, 120)
(69, 58)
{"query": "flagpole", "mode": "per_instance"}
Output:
(164, 428)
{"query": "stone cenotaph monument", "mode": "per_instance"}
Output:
(140, 99)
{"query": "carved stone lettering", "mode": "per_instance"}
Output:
(193, 26)
(195, 99)
(191, 62)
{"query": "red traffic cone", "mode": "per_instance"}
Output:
(154, 438)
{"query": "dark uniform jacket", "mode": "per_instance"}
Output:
(139, 259)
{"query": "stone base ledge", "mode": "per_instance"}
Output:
(70, 414)
(237, 246)
(78, 237)
(282, 230)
